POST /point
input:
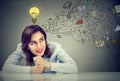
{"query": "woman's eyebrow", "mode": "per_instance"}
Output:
(32, 41)
(42, 37)
(35, 41)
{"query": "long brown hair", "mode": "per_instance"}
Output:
(26, 38)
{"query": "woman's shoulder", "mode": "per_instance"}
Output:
(53, 45)
(19, 45)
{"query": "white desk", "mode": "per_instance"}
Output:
(83, 76)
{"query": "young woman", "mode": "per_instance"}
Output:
(41, 56)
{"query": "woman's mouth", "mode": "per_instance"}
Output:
(40, 51)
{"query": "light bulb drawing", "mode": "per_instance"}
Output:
(34, 13)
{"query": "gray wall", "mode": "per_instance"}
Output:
(96, 21)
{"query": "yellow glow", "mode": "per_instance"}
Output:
(34, 12)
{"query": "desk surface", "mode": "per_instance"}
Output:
(83, 76)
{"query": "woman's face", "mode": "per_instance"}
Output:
(37, 44)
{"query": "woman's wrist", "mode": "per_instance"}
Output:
(48, 65)
(31, 70)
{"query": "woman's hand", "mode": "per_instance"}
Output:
(36, 69)
(39, 61)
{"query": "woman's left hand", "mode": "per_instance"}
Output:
(39, 61)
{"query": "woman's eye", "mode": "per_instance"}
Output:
(32, 43)
(42, 39)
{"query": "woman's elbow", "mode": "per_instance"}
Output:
(75, 70)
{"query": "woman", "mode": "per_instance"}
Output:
(41, 56)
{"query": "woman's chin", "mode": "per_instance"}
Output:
(39, 55)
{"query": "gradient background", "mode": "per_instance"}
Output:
(62, 28)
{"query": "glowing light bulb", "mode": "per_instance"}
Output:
(34, 12)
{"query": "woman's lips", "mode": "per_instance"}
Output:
(40, 51)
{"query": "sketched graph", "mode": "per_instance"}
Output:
(83, 20)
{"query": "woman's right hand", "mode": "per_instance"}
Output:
(36, 69)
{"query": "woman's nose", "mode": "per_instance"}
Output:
(39, 45)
